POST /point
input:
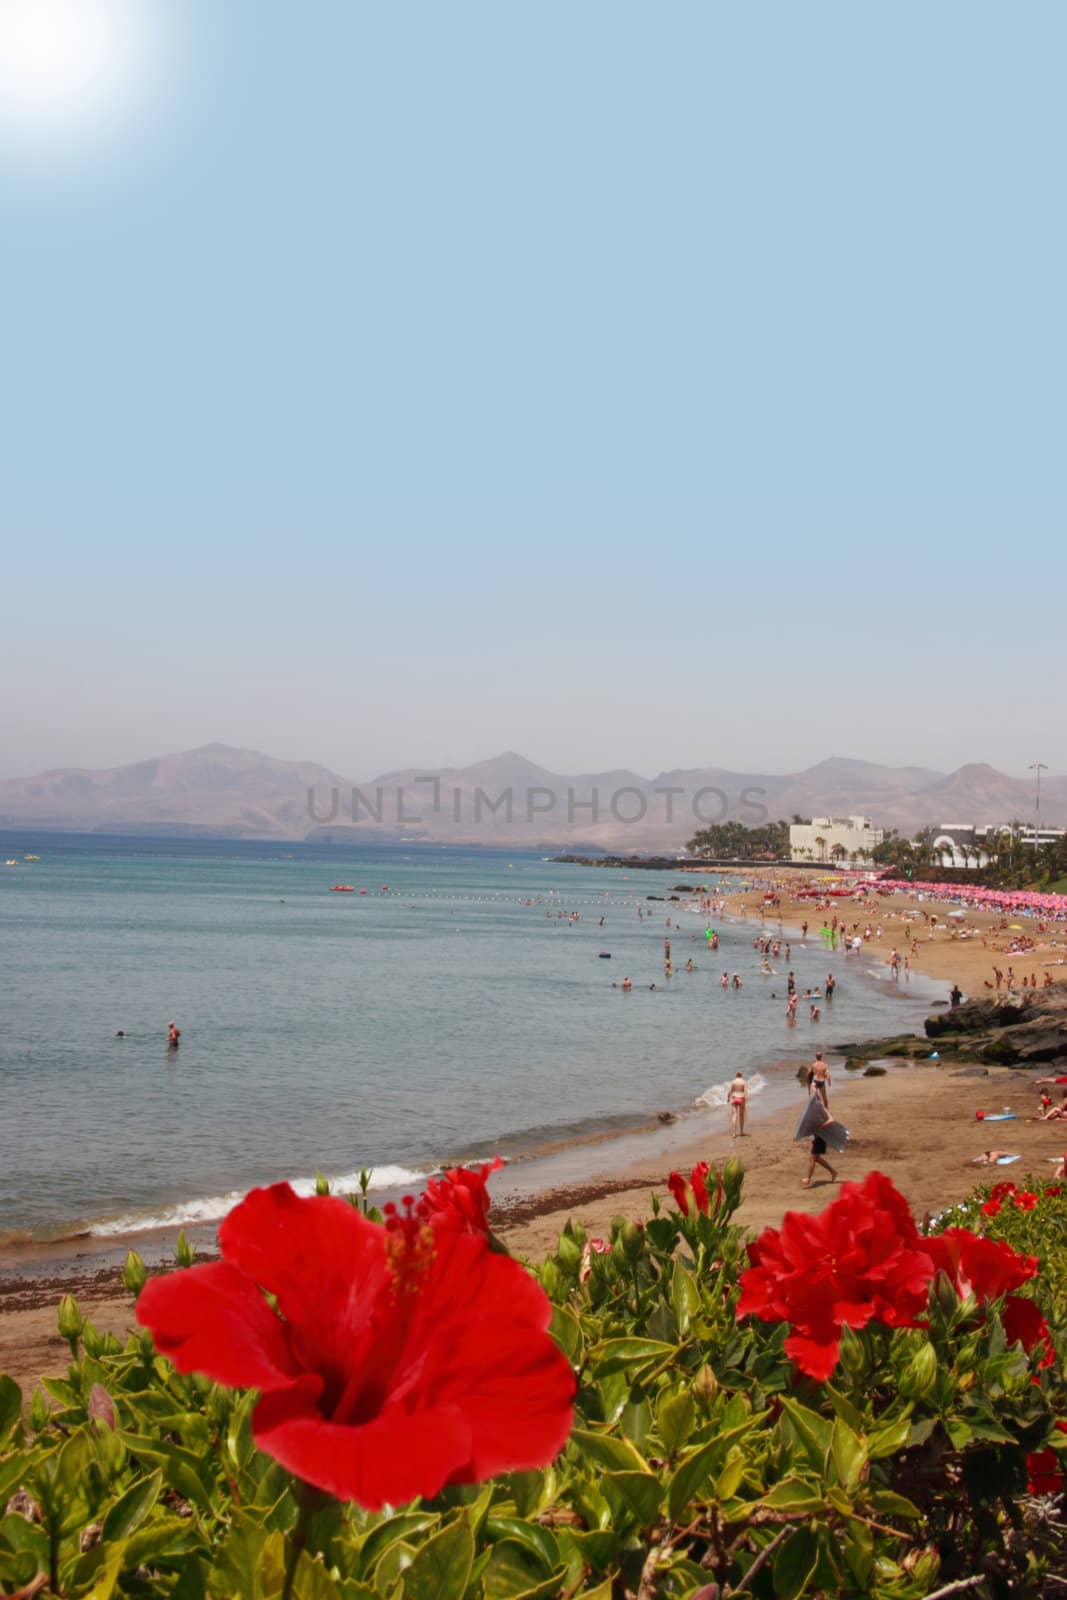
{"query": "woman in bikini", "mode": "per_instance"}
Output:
(738, 1105)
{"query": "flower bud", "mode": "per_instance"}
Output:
(733, 1176)
(705, 1387)
(101, 1406)
(322, 1185)
(94, 1341)
(569, 1252)
(38, 1411)
(134, 1275)
(850, 1353)
(183, 1251)
(552, 1282)
(70, 1321)
(632, 1237)
(920, 1375)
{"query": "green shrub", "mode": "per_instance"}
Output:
(702, 1462)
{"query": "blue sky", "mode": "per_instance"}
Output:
(623, 384)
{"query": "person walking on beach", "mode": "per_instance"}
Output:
(738, 1105)
(818, 1159)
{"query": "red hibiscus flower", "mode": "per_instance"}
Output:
(1025, 1201)
(1052, 1189)
(691, 1196)
(989, 1268)
(460, 1198)
(999, 1190)
(860, 1260)
(1024, 1324)
(395, 1360)
(1044, 1470)
(991, 1208)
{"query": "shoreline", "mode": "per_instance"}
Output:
(571, 1162)
(916, 1123)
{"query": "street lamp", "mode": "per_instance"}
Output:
(1039, 767)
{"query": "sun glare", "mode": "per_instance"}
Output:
(71, 68)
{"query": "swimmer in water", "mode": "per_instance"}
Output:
(627, 984)
(174, 1034)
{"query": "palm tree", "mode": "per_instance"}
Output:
(820, 845)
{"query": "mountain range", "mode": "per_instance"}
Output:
(225, 792)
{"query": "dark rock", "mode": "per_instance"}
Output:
(874, 1072)
(666, 1116)
(974, 1016)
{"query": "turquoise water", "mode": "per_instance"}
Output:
(454, 1015)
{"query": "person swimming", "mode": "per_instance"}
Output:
(174, 1035)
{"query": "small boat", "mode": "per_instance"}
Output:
(10, 863)
(31, 858)
(341, 888)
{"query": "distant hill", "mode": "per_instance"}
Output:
(508, 800)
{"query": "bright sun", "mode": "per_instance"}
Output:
(70, 67)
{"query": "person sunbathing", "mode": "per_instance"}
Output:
(990, 1158)
(1054, 1113)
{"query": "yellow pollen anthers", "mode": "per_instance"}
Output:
(410, 1247)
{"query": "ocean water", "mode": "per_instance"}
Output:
(453, 1015)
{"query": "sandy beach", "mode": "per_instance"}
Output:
(916, 1122)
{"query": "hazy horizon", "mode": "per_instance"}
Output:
(489, 757)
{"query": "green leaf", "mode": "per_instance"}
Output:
(403, 1526)
(795, 1563)
(10, 1405)
(889, 1438)
(675, 1419)
(130, 1510)
(729, 1480)
(640, 1491)
(794, 1494)
(849, 1455)
(894, 1505)
(685, 1297)
(617, 1354)
(62, 1391)
(108, 1575)
(844, 1408)
(689, 1477)
(442, 1566)
(811, 1431)
(514, 1569)
(540, 1541)
(567, 1332)
(611, 1451)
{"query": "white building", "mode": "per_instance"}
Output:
(834, 839)
(960, 844)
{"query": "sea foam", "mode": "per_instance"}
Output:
(212, 1208)
(719, 1093)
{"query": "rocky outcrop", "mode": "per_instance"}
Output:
(1029, 1031)
(1026, 1031)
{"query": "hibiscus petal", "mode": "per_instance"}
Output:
(818, 1360)
(213, 1319)
(388, 1460)
(479, 1343)
(320, 1257)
